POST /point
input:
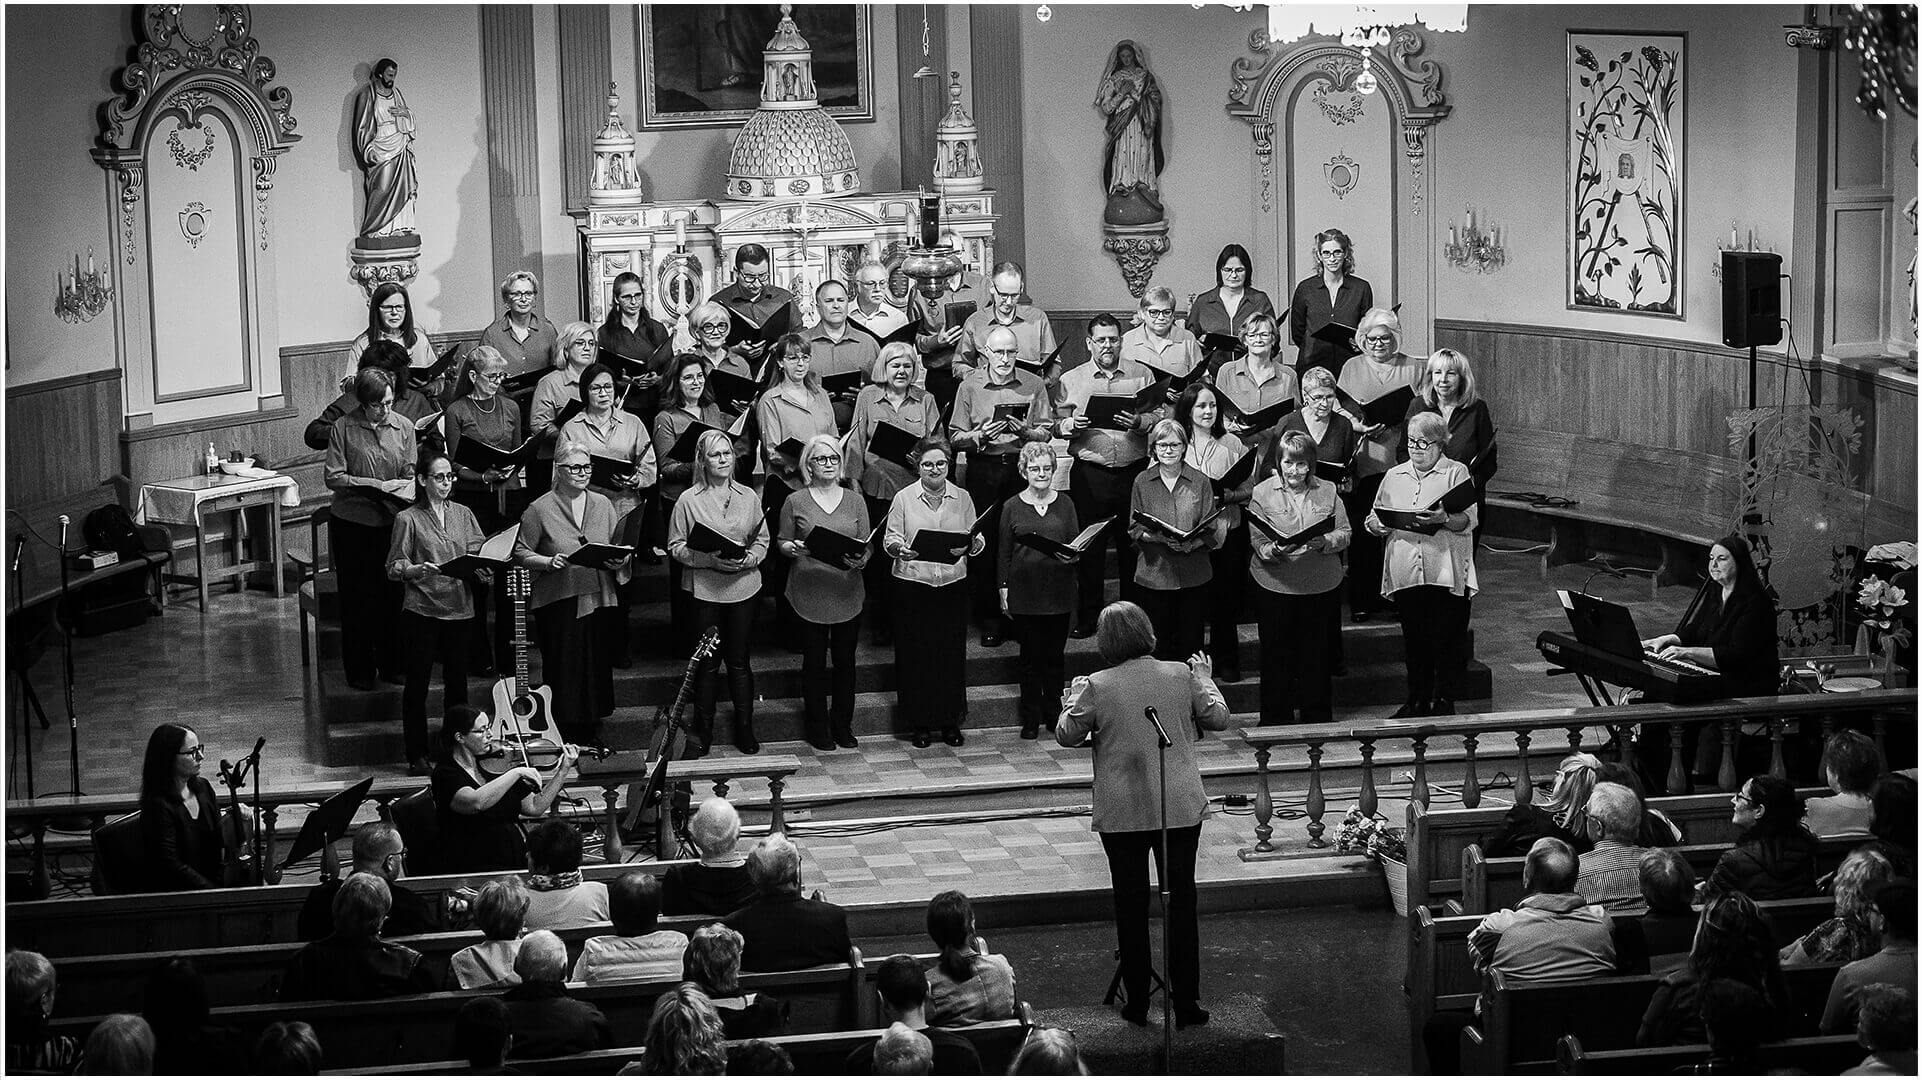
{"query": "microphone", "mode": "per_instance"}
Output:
(19, 545)
(64, 522)
(1160, 732)
(258, 745)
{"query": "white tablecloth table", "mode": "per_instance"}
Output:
(188, 501)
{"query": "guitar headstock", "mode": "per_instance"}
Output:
(709, 644)
(519, 583)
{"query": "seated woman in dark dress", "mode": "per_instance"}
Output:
(480, 817)
(713, 963)
(179, 819)
(719, 883)
(1774, 856)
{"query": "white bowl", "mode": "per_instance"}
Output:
(235, 468)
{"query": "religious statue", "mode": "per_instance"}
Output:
(383, 145)
(1131, 99)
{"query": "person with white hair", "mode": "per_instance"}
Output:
(719, 884)
(903, 1051)
(784, 930)
(1611, 872)
(1382, 369)
(545, 1019)
(1156, 341)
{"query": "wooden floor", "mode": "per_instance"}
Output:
(234, 674)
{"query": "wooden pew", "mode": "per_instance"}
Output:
(1823, 1055)
(257, 915)
(361, 1035)
(1522, 1022)
(1494, 884)
(821, 1054)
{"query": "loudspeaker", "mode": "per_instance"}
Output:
(1751, 298)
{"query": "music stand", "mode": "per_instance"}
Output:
(327, 823)
(1604, 625)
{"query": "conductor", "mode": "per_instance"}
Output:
(1130, 799)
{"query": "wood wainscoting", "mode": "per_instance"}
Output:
(1676, 396)
(61, 452)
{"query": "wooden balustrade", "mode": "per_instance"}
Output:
(1876, 705)
(623, 770)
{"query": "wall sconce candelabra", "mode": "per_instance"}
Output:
(1736, 242)
(1474, 247)
(78, 297)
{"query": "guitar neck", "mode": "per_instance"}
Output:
(521, 680)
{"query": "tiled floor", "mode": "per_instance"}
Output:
(235, 674)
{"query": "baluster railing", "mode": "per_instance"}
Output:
(1317, 798)
(1624, 736)
(1726, 777)
(1369, 799)
(1264, 808)
(1777, 767)
(1471, 784)
(1419, 793)
(1524, 787)
(1677, 780)
(1574, 740)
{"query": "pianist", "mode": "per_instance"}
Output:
(1729, 629)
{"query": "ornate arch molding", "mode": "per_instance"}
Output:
(1412, 86)
(185, 83)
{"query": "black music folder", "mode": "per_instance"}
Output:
(1405, 521)
(1226, 343)
(1320, 528)
(703, 539)
(958, 312)
(1458, 498)
(892, 443)
(1390, 409)
(1142, 517)
(1260, 419)
(599, 556)
(836, 547)
(494, 552)
(733, 393)
(1238, 473)
(525, 382)
(1339, 334)
(1334, 472)
(1039, 367)
(843, 383)
(1102, 409)
(904, 333)
(421, 378)
(609, 472)
(741, 329)
(938, 545)
(474, 454)
(1049, 545)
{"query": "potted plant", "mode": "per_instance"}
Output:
(1883, 607)
(1370, 835)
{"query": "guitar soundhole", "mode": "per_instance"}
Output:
(524, 707)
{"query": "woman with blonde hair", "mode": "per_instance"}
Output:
(1563, 815)
(1298, 596)
(1852, 934)
(1381, 369)
(1037, 584)
(894, 398)
(723, 582)
(1447, 387)
(558, 395)
(684, 1036)
(826, 591)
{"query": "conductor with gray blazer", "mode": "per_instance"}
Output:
(1110, 706)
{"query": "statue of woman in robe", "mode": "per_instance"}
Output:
(1131, 99)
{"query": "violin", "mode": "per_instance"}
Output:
(239, 837)
(540, 754)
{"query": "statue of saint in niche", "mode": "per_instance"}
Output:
(1131, 99)
(384, 147)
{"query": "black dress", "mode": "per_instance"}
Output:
(1742, 634)
(700, 889)
(489, 840)
(182, 852)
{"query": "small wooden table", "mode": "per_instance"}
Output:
(188, 501)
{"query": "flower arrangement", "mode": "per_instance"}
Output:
(1880, 602)
(1372, 836)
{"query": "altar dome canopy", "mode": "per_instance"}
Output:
(790, 148)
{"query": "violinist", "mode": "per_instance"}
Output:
(480, 794)
(179, 819)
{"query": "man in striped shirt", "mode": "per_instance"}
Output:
(1611, 873)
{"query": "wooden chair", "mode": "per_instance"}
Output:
(319, 586)
(119, 857)
(418, 820)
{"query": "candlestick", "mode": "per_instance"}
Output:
(1732, 240)
(1468, 220)
(1451, 236)
(89, 262)
(1751, 239)
(680, 233)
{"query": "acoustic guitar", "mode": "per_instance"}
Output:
(522, 713)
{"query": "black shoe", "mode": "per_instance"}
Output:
(1410, 711)
(1190, 1015)
(696, 747)
(844, 738)
(819, 740)
(1079, 633)
(744, 739)
(1136, 1013)
(419, 767)
(953, 737)
(921, 739)
(360, 684)
(1441, 707)
(1030, 731)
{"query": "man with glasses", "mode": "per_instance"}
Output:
(1158, 342)
(521, 334)
(1033, 334)
(838, 348)
(939, 338)
(1106, 460)
(378, 849)
(993, 448)
(754, 295)
(874, 309)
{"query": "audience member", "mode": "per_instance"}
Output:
(1049, 1051)
(119, 1045)
(1851, 763)
(684, 1036)
(1893, 821)
(902, 1051)
(759, 1057)
(378, 849)
(1553, 934)
(545, 1020)
(719, 883)
(1657, 829)
(713, 963)
(559, 898)
(353, 963)
(1894, 964)
(965, 987)
(903, 989)
(30, 990)
(484, 1036)
(1731, 942)
(1885, 1026)
(1736, 1021)
(782, 929)
(287, 1048)
(1851, 934)
(1562, 815)
(175, 1006)
(1774, 857)
(1611, 870)
(638, 948)
(500, 914)
(1668, 926)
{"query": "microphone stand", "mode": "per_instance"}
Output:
(1162, 743)
(66, 648)
(262, 872)
(27, 696)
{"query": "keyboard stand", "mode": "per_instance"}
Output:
(1596, 690)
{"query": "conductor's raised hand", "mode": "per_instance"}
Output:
(1202, 665)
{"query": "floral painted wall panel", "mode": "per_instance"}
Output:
(1626, 146)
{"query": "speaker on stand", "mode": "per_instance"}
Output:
(1751, 310)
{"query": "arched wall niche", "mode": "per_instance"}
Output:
(1265, 92)
(189, 147)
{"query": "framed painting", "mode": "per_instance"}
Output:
(701, 63)
(1627, 142)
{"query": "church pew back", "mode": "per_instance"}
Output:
(1822, 1055)
(1494, 884)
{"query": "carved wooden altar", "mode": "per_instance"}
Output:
(809, 241)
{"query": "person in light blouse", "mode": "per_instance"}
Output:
(723, 586)
(618, 435)
(894, 396)
(556, 390)
(1299, 586)
(795, 408)
(437, 613)
(1429, 578)
(1171, 573)
(1212, 451)
(826, 594)
(931, 598)
(685, 401)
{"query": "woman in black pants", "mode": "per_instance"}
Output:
(826, 592)
(724, 582)
(1038, 584)
(437, 612)
(931, 596)
(370, 468)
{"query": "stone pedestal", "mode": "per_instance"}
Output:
(1137, 248)
(380, 259)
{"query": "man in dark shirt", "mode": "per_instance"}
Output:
(903, 988)
(378, 849)
(783, 930)
(545, 1021)
(754, 295)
